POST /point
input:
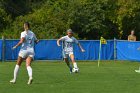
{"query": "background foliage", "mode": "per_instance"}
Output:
(89, 19)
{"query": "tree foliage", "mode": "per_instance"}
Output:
(89, 19)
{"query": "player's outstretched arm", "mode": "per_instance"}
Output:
(19, 43)
(81, 47)
(58, 42)
(36, 41)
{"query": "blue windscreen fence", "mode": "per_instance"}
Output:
(92, 50)
(9, 53)
(48, 50)
(128, 50)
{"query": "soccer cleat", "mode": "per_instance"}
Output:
(138, 71)
(12, 81)
(30, 81)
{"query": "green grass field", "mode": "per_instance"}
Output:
(54, 77)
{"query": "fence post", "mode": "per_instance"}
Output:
(3, 48)
(115, 52)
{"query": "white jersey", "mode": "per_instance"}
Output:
(29, 41)
(68, 43)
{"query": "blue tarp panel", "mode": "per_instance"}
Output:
(48, 50)
(92, 50)
(9, 53)
(128, 50)
(44, 50)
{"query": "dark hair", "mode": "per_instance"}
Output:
(27, 23)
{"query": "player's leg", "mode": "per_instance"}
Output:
(19, 61)
(73, 60)
(29, 69)
(68, 64)
(65, 56)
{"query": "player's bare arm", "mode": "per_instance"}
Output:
(19, 43)
(58, 42)
(36, 41)
(81, 47)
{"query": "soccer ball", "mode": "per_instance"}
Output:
(75, 70)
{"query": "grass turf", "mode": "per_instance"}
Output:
(54, 77)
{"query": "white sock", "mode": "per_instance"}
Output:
(29, 69)
(75, 65)
(16, 71)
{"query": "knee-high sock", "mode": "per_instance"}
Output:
(16, 71)
(75, 65)
(29, 69)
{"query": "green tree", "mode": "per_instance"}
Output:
(89, 19)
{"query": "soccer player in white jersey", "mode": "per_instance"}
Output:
(68, 41)
(27, 41)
